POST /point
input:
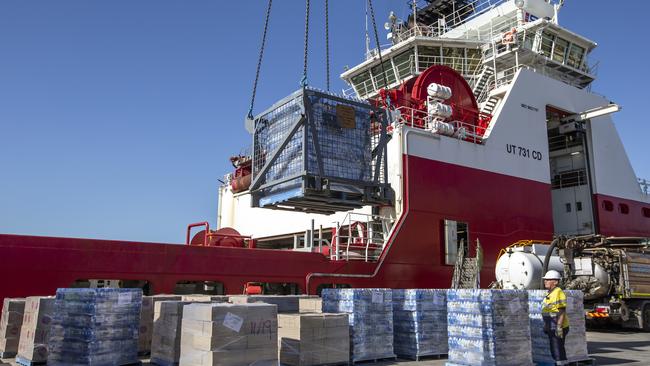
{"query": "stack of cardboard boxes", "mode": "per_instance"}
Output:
(166, 342)
(10, 323)
(313, 339)
(37, 320)
(146, 321)
(227, 334)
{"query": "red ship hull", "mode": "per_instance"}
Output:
(499, 210)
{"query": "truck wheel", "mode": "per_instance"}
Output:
(646, 318)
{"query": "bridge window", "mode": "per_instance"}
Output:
(362, 83)
(473, 60)
(390, 74)
(547, 44)
(428, 56)
(576, 53)
(405, 64)
(560, 49)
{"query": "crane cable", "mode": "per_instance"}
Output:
(374, 26)
(259, 60)
(327, 44)
(303, 81)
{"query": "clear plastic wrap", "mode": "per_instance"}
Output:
(576, 341)
(371, 320)
(420, 322)
(95, 327)
(488, 328)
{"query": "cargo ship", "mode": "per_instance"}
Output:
(474, 129)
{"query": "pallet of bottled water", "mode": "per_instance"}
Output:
(371, 320)
(576, 340)
(95, 327)
(488, 328)
(419, 322)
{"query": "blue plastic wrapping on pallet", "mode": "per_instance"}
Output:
(371, 320)
(576, 341)
(95, 327)
(419, 322)
(488, 328)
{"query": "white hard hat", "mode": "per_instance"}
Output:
(552, 275)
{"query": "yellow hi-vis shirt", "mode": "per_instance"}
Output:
(553, 302)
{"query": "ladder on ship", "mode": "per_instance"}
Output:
(467, 270)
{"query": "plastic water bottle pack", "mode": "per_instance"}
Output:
(576, 341)
(95, 327)
(488, 328)
(420, 322)
(371, 320)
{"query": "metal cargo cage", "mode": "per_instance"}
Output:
(318, 152)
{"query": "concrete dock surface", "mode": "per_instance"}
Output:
(606, 347)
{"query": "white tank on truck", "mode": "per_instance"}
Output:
(613, 273)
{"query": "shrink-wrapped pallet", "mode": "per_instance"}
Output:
(419, 322)
(166, 340)
(11, 321)
(370, 317)
(488, 328)
(95, 327)
(37, 320)
(146, 320)
(220, 334)
(576, 340)
(313, 339)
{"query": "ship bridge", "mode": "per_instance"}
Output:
(486, 41)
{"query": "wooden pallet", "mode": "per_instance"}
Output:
(7, 354)
(26, 362)
(394, 358)
(435, 356)
(585, 362)
(159, 362)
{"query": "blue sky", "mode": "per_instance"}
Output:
(117, 118)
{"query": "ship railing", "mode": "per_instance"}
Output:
(645, 185)
(398, 73)
(360, 237)
(417, 118)
(462, 15)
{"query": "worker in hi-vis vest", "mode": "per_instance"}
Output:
(556, 322)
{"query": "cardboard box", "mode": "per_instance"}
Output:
(37, 319)
(310, 305)
(146, 320)
(205, 298)
(166, 339)
(313, 339)
(285, 303)
(11, 322)
(228, 334)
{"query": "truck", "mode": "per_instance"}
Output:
(613, 273)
